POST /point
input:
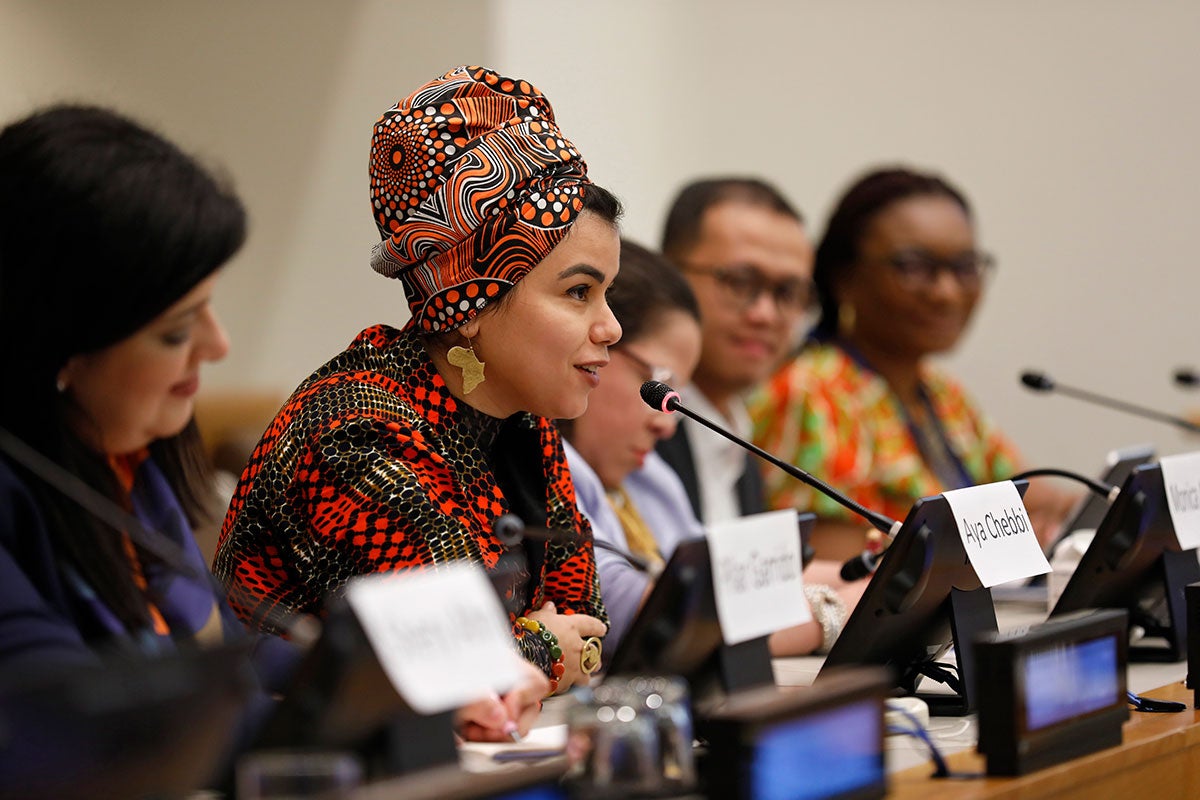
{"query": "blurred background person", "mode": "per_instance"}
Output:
(898, 274)
(746, 254)
(111, 243)
(637, 504)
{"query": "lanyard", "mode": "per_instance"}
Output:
(939, 455)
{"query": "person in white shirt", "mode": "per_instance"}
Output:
(748, 258)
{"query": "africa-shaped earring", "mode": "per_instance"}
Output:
(472, 368)
(846, 319)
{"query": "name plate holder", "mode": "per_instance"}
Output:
(924, 598)
(1053, 693)
(1192, 596)
(678, 631)
(1135, 562)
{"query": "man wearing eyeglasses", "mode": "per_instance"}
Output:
(745, 251)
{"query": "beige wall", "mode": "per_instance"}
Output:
(1072, 125)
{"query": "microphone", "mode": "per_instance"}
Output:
(1187, 378)
(1041, 382)
(662, 397)
(511, 530)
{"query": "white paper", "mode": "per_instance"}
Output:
(756, 575)
(997, 533)
(1181, 480)
(440, 635)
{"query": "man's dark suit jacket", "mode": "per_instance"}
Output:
(677, 451)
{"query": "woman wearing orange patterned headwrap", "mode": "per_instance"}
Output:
(405, 448)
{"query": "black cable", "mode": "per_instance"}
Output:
(1099, 487)
(1152, 706)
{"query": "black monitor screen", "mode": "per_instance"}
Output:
(823, 755)
(1070, 680)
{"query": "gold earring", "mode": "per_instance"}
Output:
(847, 316)
(472, 368)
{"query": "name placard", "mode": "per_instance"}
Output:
(996, 533)
(756, 575)
(1181, 480)
(440, 635)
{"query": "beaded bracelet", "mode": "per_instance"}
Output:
(557, 668)
(829, 611)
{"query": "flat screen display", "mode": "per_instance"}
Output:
(541, 792)
(823, 755)
(1069, 681)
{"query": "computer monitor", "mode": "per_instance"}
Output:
(1091, 508)
(340, 698)
(924, 598)
(159, 727)
(1134, 562)
(677, 631)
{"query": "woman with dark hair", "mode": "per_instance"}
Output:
(111, 241)
(404, 450)
(898, 274)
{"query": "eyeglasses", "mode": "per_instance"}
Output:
(919, 269)
(744, 285)
(649, 371)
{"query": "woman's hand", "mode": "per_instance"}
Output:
(571, 630)
(495, 719)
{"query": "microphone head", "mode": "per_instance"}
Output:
(509, 529)
(1038, 381)
(1185, 376)
(659, 396)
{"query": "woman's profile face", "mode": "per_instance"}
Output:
(619, 430)
(910, 292)
(545, 346)
(143, 387)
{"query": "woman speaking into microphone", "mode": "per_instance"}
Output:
(404, 449)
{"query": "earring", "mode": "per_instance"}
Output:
(472, 368)
(847, 316)
(60, 384)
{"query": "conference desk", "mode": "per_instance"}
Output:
(1159, 756)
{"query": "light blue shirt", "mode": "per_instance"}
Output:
(660, 498)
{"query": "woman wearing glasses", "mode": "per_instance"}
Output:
(637, 504)
(898, 276)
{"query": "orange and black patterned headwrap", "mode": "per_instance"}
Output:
(472, 185)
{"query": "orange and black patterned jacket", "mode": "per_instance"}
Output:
(371, 466)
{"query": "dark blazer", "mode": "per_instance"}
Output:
(677, 451)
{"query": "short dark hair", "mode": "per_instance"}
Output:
(104, 225)
(866, 198)
(647, 287)
(682, 228)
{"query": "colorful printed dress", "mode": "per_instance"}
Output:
(373, 466)
(832, 415)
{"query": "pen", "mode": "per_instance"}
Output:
(510, 727)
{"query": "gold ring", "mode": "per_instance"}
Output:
(589, 658)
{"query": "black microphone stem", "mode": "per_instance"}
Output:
(1130, 408)
(878, 521)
